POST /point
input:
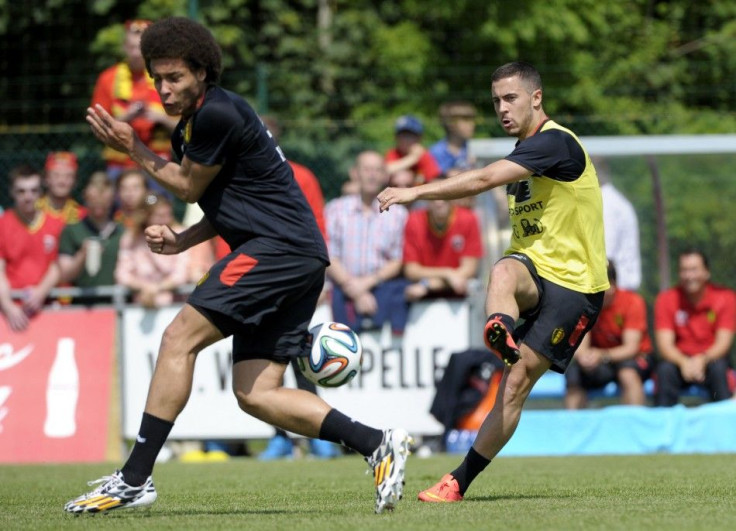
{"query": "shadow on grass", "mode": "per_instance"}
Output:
(517, 497)
(168, 513)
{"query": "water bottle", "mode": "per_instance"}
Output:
(62, 392)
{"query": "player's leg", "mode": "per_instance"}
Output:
(168, 393)
(551, 334)
(257, 384)
(512, 289)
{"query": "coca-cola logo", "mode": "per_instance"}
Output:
(9, 358)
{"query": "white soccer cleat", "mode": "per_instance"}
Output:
(389, 463)
(113, 493)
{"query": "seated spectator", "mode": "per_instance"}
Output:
(60, 180)
(458, 121)
(88, 250)
(617, 349)
(153, 278)
(29, 243)
(365, 252)
(442, 250)
(694, 326)
(132, 190)
(410, 154)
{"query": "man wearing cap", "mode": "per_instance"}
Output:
(409, 155)
(60, 179)
(126, 91)
(458, 120)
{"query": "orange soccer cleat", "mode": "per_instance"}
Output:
(499, 340)
(447, 490)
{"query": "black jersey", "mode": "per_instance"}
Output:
(254, 195)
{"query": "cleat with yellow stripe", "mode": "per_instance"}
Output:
(447, 490)
(112, 493)
(389, 464)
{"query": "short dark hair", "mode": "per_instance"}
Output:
(695, 250)
(528, 74)
(22, 171)
(183, 38)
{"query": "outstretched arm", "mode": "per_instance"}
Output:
(471, 182)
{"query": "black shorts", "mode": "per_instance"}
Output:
(556, 326)
(603, 374)
(264, 298)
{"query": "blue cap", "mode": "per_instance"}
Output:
(409, 123)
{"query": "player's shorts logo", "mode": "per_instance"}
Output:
(558, 334)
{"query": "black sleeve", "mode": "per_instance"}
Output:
(214, 132)
(552, 153)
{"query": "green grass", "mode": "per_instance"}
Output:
(633, 493)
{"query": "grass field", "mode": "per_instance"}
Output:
(634, 493)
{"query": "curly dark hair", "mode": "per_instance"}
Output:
(183, 38)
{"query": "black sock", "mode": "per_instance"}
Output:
(506, 319)
(341, 429)
(472, 465)
(151, 438)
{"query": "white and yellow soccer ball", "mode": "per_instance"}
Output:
(335, 356)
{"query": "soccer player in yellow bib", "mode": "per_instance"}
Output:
(554, 272)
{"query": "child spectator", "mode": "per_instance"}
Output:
(132, 190)
(458, 121)
(153, 278)
(410, 154)
(88, 250)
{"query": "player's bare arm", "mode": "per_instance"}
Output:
(464, 184)
(161, 239)
(187, 180)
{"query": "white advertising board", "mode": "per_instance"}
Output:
(395, 387)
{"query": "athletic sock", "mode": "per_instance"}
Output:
(472, 465)
(151, 438)
(506, 319)
(341, 429)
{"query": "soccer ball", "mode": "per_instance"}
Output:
(335, 356)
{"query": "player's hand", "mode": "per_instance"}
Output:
(162, 240)
(111, 132)
(396, 196)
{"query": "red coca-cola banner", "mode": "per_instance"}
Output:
(55, 385)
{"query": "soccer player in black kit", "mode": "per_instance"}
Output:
(263, 293)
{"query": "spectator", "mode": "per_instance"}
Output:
(621, 230)
(132, 191)
(458, 121)
(410, 154)
(617, 349)
(365, 253)
(126, 91)
(694, 324)
(442, 250)
(88, 250)
(153, 278)
(29, 243)
(60, 180)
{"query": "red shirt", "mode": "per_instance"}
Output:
(309, 184)
(695, 326)
(425, 246)
(425, 170)
(28, 251)
(116, 89)
(627, 311)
